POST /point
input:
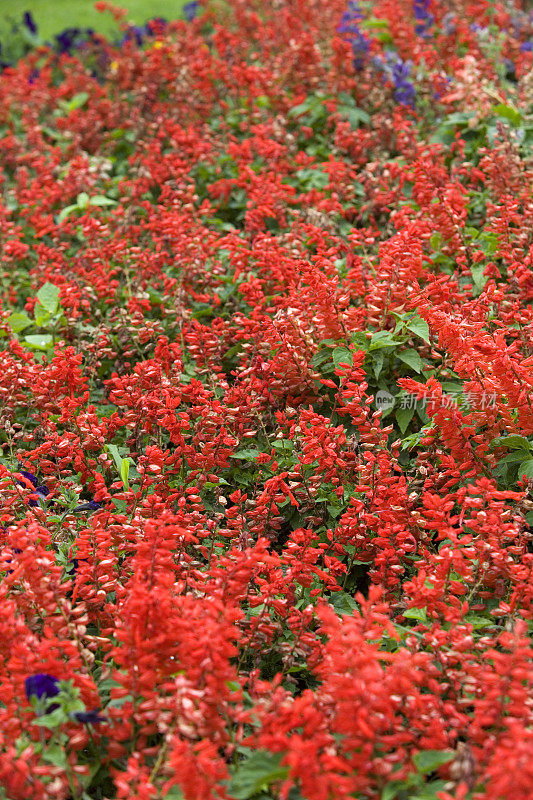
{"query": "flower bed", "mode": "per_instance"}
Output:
(266, 402)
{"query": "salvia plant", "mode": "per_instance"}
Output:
(266, 404)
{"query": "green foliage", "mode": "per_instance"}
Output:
(83, 202)
(415, 786)
(256, 773)
(48, 316)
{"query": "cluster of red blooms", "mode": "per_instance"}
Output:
(264, 564)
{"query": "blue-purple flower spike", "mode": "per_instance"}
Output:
(88, 717)
(190, 10)
(29, 22)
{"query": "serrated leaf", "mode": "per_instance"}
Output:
(48, 297)
(246, 454)
(412, 359)
(516, 457)
(430, 760)
(526, 469)
(513, 442)
(479, 622)
(420, 327)
(343, 603)
(18, 320)
(378, 359)
(42, 316)
(259, 770)
(382, 339)
(416, 613)
(355, 116)
(341, 355)
(40, 341)
(478, 276)
(283, 444)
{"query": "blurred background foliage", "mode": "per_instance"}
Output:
(53, 16)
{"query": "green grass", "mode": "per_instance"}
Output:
(53, 16)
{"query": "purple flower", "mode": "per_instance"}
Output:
(135, 33)
(526, 47)
(88, 717)
(91, 505)
(71, 38)
(404, 91)
(29, 22)
(43, 491)
(423, 16)
(43, 687)
(349, 27)
(190, 10)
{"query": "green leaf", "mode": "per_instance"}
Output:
(255, 774)
(412, 359)
(82, 200)
(391, 790)
(53, 720)
(355, 116)
(41, 341)
(526, 469)
(435, 240)
(343, 603)
(341, 355)
(378, 357)
(430, 760)
(48, 297)
(283, 444)
(420, 327)
(478, 277)
(479, 622)
(404, 417)
(375, 23)
(113, 450)
(382, 339)
(513, 442)
(174, 793)
(429, 791)
(508, 112)
(246, 454)
(18, 320)
(416, 613)
(42, 316)
(65, 212)
(55, 754)
(516, 457)
(77, 101)
(101, 200)
(124, 472)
